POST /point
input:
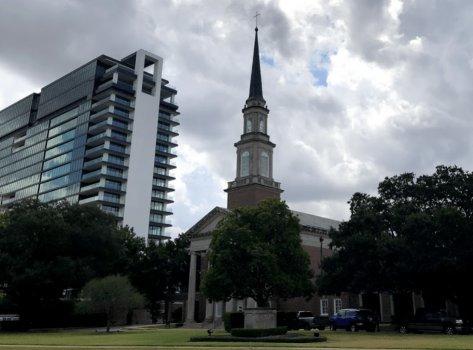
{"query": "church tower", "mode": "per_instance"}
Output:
(254, 172)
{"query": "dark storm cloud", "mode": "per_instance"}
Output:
(397, 96)
(44, 39)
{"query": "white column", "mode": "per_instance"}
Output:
(381, 307)
(209, 311)
(230, 305)
(191, 289)
(142, 149)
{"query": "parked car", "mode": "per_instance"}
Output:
(436, 321)
(354, 320)
(306, 320)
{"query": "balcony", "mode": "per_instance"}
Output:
(169, 118)
(92, 175)
(96, 150)
(103, 125)
(89, 200)
(121, 85)
(90, 188)
(93, 163)
(99, 137)
(166, 151)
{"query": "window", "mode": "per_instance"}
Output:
(118, 136)
(117, 148)
(337, 305)
(121, 112)
(248, 125)
(53, 184)
(160, 171)
(245, 164)
(61, 138)
(114, 172)
(155, 230)
(116, 160)
(122, 100)
(62, 170)
(113, 185)
(110, 209)
(323, 306)
(264, 164)
(59, 149)
(63, 127)
(156, 218)
(162, 160)
(110, 197)
(261, 124)
(158, 194)
(57, 161)
(159, 182)
(157, 206)
(63, 117)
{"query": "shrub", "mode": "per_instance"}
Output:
(255, 333)
(233, 320)
(286, 319)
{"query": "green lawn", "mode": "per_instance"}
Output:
(178, 339)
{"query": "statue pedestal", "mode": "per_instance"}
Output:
(260, 318)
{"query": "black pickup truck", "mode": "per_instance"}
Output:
(306, 320)
(436, 321)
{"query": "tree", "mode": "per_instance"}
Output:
(256, 252)
(113, 296)
(48, 248)
(415, 235)
(162, 273)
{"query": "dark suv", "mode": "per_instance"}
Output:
(354, 320)
(436, 321)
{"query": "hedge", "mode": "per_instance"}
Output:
(258, 332)
(233, 320)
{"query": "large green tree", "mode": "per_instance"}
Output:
(162, 274)
(415, 235)
(256, 252)
(113, 296)
(48, 248)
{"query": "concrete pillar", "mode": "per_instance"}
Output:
(381, 307)
(209, 311)
(251, 303)
(191, 289)
(230, 305)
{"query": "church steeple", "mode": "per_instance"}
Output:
(256, 87)
(254, 174)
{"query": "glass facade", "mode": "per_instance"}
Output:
(72, 141)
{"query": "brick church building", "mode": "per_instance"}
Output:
(254, 182)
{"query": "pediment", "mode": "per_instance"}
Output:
(208, 223)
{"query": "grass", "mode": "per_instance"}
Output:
(178, 339)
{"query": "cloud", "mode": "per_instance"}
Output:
(357, 90)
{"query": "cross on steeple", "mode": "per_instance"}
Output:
(256, 19)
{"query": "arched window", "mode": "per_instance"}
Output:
(248, 125)
(261, 124)
(245, 164)
(264, 164)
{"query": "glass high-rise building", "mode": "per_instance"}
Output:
(104, 133)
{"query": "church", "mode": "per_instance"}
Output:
(254, 182)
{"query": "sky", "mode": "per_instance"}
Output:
(357, 90)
